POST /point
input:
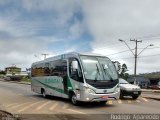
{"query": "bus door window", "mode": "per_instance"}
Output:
(64, 75)
(75, 73)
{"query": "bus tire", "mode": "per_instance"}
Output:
(121, 95)
(43, 92)
(135, 97)
(74, 100)
(103, 102)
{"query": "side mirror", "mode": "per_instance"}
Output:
(75, 65)
(117, 65)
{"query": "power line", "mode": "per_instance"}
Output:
(119, 52)
(138, 57)
(129, 50)
(151, 39)
(149, 36)
(150, 48)
(124, 58)
(149, 55)
(111, 46)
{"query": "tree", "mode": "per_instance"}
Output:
(2, 72)
(122, 72)
(121, 69)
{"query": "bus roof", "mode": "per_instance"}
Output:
(70, 54)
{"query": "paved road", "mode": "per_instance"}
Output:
(18, 99)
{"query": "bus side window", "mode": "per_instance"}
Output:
(64, 68)
(47, 69)
(33, 72)
(75, 74)
(58, 68)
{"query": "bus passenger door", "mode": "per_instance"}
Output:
(75, 76)
(64, 76)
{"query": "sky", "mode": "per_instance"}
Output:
(29, 28)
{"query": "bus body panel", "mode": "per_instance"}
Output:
(56, 86)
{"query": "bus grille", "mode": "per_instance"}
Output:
(103, 85)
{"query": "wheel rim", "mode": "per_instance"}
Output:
(74, 101)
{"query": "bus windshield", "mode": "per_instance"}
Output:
(98, 68)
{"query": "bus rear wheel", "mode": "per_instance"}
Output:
(43, 93)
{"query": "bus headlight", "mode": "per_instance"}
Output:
(117, 89)
(90, 90)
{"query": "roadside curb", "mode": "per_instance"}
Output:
(145, 90)
(16, 82)
(154, 98)
(5, 115)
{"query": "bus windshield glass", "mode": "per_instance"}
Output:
(98, 68)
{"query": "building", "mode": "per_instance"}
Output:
(12, 71)
(154, 83)
(141, 81)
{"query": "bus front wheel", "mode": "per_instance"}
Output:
(74, 99)
(103, 102)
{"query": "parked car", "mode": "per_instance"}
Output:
(7, 78)
(127, 89)
(12, 78)
(154, 83)
(156, 87)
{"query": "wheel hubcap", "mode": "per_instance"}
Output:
(74, 99)
(44, 95)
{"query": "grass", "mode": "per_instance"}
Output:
(26, 79)
(1, 76)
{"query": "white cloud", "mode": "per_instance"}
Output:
(110, 20)
(76, 30)
(3, 2)
(20, 37)
(63, 10)
(105, 20)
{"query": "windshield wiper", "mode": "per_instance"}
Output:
(106, 72)
(97, 73)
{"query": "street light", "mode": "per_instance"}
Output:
(135, 54)
(127, 46)
(121, 40)
(45, 55)
(145, 48)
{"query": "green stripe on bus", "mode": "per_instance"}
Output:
(69, 86)
(53, 88)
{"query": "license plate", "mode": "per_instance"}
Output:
(135, 92)
(104, 97)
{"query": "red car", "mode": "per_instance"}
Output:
(154, 86)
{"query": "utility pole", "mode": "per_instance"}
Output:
(136, 54)
(45, 55)
(135, 57)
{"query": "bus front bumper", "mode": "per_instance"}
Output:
(87, 97)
